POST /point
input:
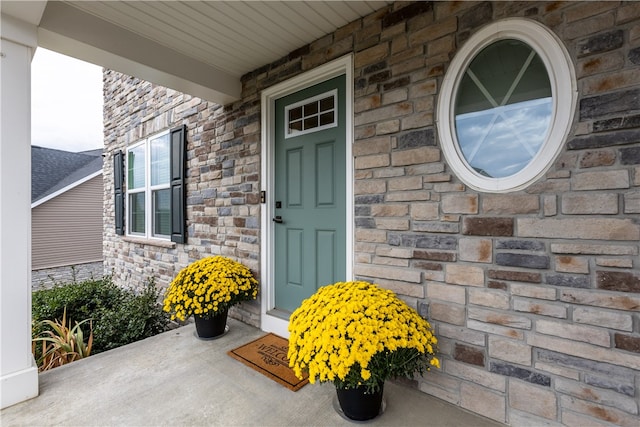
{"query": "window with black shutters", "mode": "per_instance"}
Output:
(151, 203)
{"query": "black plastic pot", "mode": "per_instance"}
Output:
(211, 326)
(358, 405)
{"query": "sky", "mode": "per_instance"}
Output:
(66, 102)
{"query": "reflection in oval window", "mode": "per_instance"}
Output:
(503, 108)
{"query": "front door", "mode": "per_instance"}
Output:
(310, 193)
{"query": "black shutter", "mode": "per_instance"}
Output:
(118, 187)
(178, 196)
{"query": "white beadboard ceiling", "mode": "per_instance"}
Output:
(197, 47)
(233, 36)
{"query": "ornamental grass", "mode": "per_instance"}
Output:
(358, 334)
(209, 286)
(61, 344)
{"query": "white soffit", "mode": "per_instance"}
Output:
(197, 47)
(233, 36)
(27, 11)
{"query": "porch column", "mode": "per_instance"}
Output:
(19, 374)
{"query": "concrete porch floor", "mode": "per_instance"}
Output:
(176, 379)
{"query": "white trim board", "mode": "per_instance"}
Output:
(322, 73)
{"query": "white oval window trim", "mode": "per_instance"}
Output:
(564, 92)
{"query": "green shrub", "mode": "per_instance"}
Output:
(135, 318)
(82, 300)
(119, 316)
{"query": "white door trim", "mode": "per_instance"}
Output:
(322, 73)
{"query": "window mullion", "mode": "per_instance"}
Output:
(482, 140)
(148, 195)
(150, 192)
(510, 146)
(126, 190)
(516, 81)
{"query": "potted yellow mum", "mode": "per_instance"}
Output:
(207, 289)
(357, 335)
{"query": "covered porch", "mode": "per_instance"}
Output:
(175, 379)
(198, 48)
(532, 284)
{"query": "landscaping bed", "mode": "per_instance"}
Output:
(94, 315)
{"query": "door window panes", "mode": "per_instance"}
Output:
(311, 115)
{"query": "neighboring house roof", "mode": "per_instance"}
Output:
(54, 170)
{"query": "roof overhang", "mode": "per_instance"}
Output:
(202, 48)
(68, 30)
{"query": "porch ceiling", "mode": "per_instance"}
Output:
(233, 36)
(198, 47)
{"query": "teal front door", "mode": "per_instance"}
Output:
(310, 192)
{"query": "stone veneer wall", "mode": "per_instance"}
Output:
(47, 278)
(222, 181)
(535, 295)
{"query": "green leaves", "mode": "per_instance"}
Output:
(62, 344)
(119, 316)
(359, 334)
(135, 318)
(209, 285)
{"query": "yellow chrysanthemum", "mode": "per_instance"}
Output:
(355, 333)
(209, 285)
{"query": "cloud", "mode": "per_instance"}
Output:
(502, 141)
(66, 102)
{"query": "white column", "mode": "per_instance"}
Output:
(19, 374)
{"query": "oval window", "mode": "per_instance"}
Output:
(506, 105)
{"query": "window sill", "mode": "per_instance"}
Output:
(150, 242)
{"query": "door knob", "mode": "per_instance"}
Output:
(278, 219)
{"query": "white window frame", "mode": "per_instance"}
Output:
(337, 67)
(148, 190)
(562, 77)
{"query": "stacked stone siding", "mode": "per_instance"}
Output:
(47, 278)
(535, 294)
(222, 180)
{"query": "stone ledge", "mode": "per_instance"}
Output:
(150, 242)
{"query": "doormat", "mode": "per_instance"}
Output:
(268, 355)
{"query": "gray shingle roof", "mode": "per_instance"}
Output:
(52, 170)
